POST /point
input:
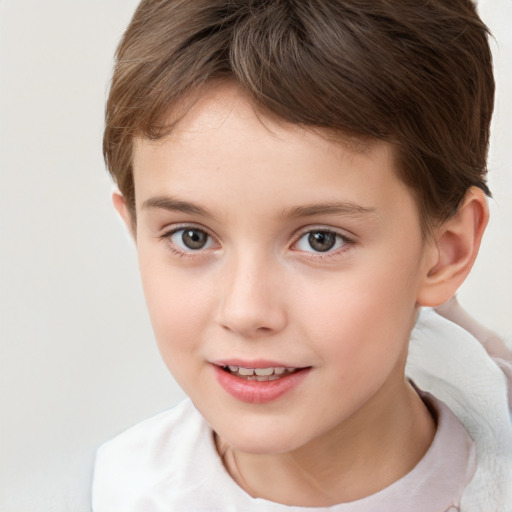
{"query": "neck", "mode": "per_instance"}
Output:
(368, 452)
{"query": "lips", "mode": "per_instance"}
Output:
(258, 383)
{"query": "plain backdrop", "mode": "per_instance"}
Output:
(78, 363)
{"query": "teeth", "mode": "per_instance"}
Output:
(260, 374)
(264, 372)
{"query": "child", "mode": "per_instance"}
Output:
(301, 178)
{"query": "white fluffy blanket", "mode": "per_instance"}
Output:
(450, 363)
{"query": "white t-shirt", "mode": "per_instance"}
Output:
(169, 462)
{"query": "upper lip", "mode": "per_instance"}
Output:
(258, 363)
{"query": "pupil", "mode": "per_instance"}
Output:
(322, 241)
(194, 239)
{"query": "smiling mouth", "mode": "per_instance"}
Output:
(258, 382)
(260, 374)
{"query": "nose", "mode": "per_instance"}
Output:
(252, 303)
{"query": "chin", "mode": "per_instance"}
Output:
(261, 442)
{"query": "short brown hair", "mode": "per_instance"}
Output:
(416, 74)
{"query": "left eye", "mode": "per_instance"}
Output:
(191, 239)
(320, 241)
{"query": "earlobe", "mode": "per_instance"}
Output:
(124, 212)
(454, 249)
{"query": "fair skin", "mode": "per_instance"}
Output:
(265, 245)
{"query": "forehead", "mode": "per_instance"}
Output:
(205, 110)
(224, 141)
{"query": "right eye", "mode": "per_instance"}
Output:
(190, 239)
(321, 241)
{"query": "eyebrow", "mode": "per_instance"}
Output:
(175, 205)
(335, 208)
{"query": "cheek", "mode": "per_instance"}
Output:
(365, 315)
(179, 307)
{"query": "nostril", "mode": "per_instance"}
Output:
(247, 330)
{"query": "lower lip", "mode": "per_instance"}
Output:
(258, 392)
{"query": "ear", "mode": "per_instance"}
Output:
(453, 249)
(124, 212)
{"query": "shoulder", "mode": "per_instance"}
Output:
(157, 430)
(140, 459)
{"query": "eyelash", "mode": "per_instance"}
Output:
(316, 255)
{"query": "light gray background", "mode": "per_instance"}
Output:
(78, 363)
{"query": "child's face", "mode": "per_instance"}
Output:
(265, 245)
